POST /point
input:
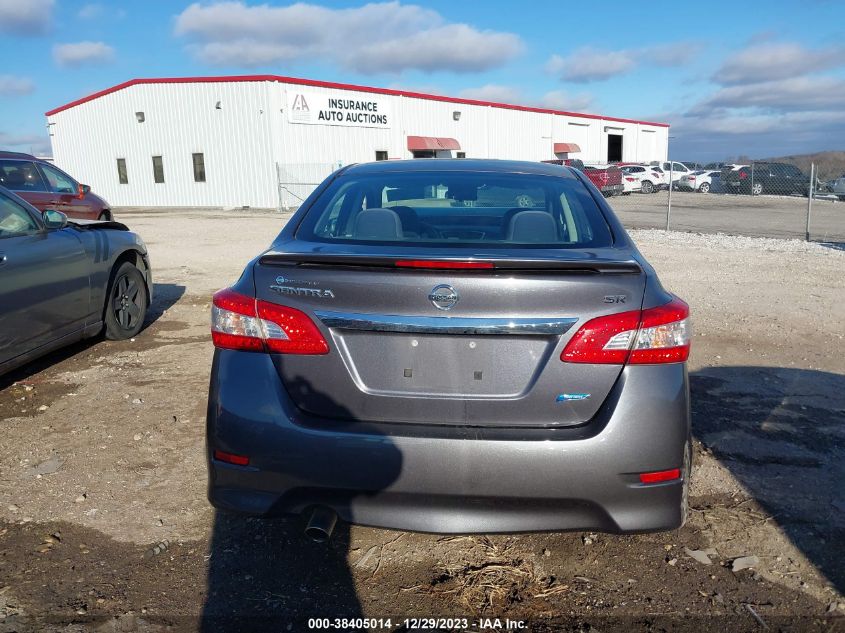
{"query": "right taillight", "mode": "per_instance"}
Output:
(247, 324)
(647, 337)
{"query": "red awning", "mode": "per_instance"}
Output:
(431, 143)
(566, 148)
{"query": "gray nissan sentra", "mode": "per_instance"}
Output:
(452, 346)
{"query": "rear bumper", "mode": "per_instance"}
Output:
(452, 479)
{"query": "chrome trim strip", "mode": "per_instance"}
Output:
(445, 325)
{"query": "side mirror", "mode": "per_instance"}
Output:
(54, 219)
(82, 190)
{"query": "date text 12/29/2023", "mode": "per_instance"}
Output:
(416, 624)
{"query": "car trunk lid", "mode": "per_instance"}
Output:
(442, 345)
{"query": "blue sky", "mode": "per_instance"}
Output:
(755, 78)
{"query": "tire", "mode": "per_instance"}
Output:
(756, 188)
(704, 187)
(842, 198)
(648, 186)
(126, 303)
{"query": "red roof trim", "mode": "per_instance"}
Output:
(338, 86)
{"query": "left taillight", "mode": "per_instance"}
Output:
(247, 324)
(639, 337)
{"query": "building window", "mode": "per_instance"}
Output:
(122, 176)
(462, 154)
(158, 169)
(381, 155)
(199, 168)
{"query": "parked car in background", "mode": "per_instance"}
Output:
(714, 166)
(674, 169)
(606, 178)
(45, 186)
(701, 180)
(642, 178)
(691, 165)
(770, 178)
(838, 187)
(64, 280)
(370, 366)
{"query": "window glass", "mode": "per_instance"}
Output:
(59, 182)
(457, 210)
(122, 176)
(14, 219)
(381, 155)
(18, 175)
(199, 168)
(158, 169)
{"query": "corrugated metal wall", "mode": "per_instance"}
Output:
(252, 150)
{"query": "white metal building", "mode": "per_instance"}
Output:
(266, 141)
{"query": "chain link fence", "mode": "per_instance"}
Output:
(745, 197)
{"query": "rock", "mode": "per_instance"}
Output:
(27, 387)
(698, 555)
(43, 407)
(47, 467)
(13, 508)
(136, 437)
(81, 498)
(137, 401)
(744, 562)
(546, 553)
(672, 561)
(588, 539)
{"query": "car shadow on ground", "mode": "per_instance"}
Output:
(265, 574)
(837, 246)
(165, 296)
(781, 433)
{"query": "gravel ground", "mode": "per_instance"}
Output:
(104, 523)
(763, 216)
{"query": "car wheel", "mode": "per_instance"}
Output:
(648, 187)
(705, 187)
(126, 303)
(756, 189)
(842, 198)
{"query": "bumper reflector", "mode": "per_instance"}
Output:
(231, 458)
(660, 476)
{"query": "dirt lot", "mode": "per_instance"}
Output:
(760, 216)
(104, 523)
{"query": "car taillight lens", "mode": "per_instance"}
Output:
(244, 323)
(743, 175)
(652, 336)
(629, 179)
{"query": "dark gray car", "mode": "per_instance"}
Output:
(61, 281)
(452, 346)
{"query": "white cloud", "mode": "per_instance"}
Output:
(374, 38)
(493, 92)
(36, 143)
(15, 86)
(82, 53)
(588, 64)
(26, 17)
(777, 60)
(784, 95)
(560, 100)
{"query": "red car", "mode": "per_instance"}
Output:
(607, 179)
(45, 186)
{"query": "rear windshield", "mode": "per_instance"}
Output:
(457, 209)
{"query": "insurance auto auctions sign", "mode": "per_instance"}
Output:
(348, 109)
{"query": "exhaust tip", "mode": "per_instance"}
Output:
(321, 524)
